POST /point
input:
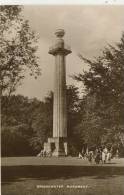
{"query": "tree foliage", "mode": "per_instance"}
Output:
(103, 116)
(30, 119)
(29, 122)
(17, 48)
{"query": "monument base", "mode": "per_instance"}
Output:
(57, 146)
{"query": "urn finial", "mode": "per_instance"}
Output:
(60, 33)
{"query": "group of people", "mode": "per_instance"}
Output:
(44, 153)
(98, 155)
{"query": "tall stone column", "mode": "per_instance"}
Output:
(60, 50)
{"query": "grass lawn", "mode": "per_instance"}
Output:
(63, 176)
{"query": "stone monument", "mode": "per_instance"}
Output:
(57, 145)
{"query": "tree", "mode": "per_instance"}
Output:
(16, 125)
(42, 123)
(17, 49)
(29, 122)
(14, 142)
(73, 119)
(104, 95)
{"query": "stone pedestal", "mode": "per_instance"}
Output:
(60, 149)
(56, 146)
(59, 140)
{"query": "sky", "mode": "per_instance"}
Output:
(88, 29)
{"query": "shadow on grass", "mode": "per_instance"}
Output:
(11, 174)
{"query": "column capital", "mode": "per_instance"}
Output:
(59, 47)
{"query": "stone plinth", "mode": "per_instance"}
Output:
(57, 146)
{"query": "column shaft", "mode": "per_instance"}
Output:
(59, 108)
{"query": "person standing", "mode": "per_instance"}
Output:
(104, 155)
(98, 156)
(90, 156)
